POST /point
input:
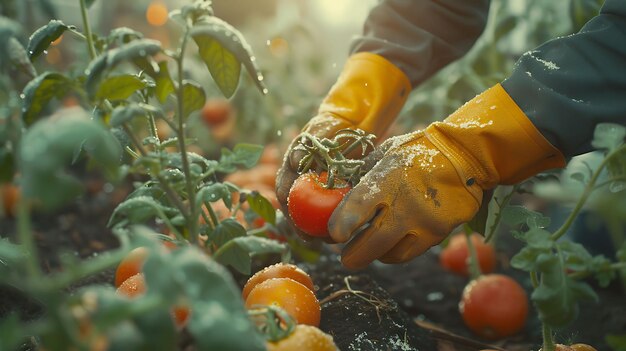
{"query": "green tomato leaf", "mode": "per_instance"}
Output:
(39, 91)
(123, 35)
(139, 209)
(225, 231)
(19, 58)
(223, 49)
(526, 259)
(164, 83)
(124, 114)
(557, 295)
(119, 87)
(11, 332)
(608, 136)
(245, 155)
(238, 251)
(50, 145)
(539, 239)
(41, 39)
(213, 193)
(218, 318)
(262, 206)
(193, 97)
(130, 52)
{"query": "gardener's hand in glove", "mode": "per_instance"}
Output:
(425, 184)
(368, 95)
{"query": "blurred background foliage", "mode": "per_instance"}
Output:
(301, 46)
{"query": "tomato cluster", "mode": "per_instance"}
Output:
(130, 281)
(290, 288)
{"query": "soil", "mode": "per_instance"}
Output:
(385, 307)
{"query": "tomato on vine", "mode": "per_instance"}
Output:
(311, 204)
(278, 270)
(304, 337)
(326, 176)
(293, 297)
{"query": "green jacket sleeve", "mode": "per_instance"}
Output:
(568, 85)
(422, 36)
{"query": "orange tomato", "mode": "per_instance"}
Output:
(293, 297)
(304, 338)
(455, 256)
(135, 286)
(494, 306)
(130, 265)
(10, 196)
(278, 270)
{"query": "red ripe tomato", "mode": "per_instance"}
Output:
(494, 306)
(216, 111)
(278, 270)
(455, 256)
(310, 204)
(296, 299)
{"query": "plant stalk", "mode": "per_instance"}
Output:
(90, 44)
(472, 264)
(585, 195)
(192, 220)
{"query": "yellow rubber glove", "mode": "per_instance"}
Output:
(368, 95)
(425, 184)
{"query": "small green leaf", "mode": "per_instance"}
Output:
(11, 332)
(123, 35)
(193, 97)
(19, 58)
(164, 84)
(245, 155)
(238, 251)
(139, 209)
(41, 39)
(516, 215)
(130, 52)
(608, 136)
(539, 239)
(223, 49)
(225, 231)
(119, 87)
(262, 206)
(526, 259)
(213, 193)
(556, 295)
(124, 114)
(39, 91)
(52, 144)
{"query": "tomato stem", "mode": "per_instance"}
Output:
(472, 260)
(90, 44)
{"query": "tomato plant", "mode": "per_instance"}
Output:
(494, 306)
(278, 270)
(304, 337)
(454, 257)
(311, 203)
(135, 286)
(293, 297)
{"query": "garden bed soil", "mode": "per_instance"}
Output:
(412, 306)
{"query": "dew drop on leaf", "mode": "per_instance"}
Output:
(617, 186)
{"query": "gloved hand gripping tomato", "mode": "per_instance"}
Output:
(368, 95)
(426, 183)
